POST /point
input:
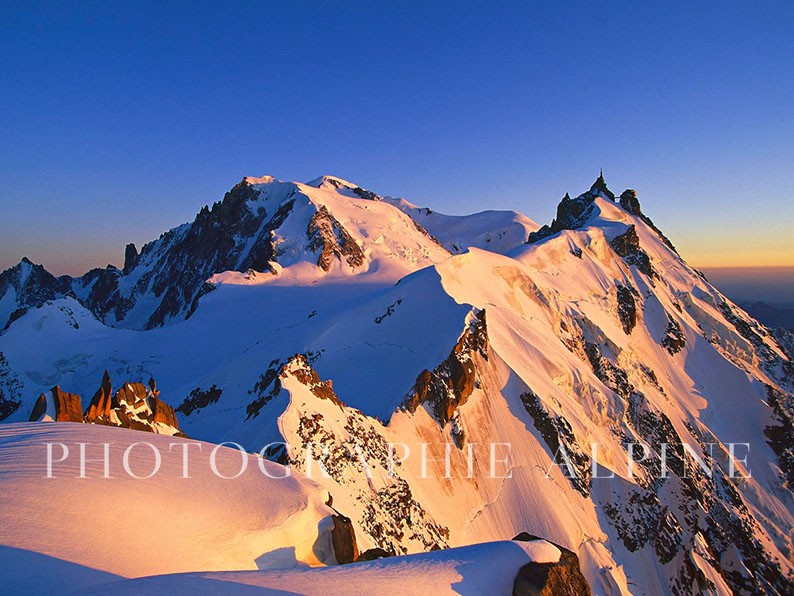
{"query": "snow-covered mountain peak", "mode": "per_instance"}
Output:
(343, 187)
(328, 181)
(257, 180)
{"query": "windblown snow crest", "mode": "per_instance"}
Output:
(450, 380)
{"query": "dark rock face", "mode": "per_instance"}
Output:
(674, 340)
(451, 383)
(627, 245)
(600, 187)
(10, 389)
(328, 237)
(199, 398)
(559, 437)
(785, 339)
(629, 201)
(343, 538)
(571, 214)
(39, 409)
(266, 388)
(563, 578)
(373, 554)
(608, 373)
(627, 308)
(103, 297)
(574, 213)
(230, 236)
(130, 258)
(780, 436)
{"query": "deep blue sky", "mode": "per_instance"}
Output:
(120, 120)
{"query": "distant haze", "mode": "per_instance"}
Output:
(774, 285)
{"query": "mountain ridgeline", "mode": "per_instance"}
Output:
(322, 313)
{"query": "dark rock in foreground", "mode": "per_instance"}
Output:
(563, 578)
(343, 538)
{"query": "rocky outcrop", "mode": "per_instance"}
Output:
(627, 308)
(199, 398)
(162, 413)
(451, 383)
(389, 516)
(674, 339)
(328, 237)
(134, 405)
(343, 539)
(574, 213)
(300, 367)
(561, 441)
(629, 201)
(571, 214)
(780, 435)
(627, 245)
(138, 407)
(373, 554)
(98, 411)
(563, 578)
(66, 407)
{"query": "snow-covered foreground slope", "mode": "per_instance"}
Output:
(480, 569)
(131, 527)
(80, 528)
(514, 358)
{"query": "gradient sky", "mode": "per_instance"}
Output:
(120, 120)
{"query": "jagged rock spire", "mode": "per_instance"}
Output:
(600, 186)
(130, 258)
